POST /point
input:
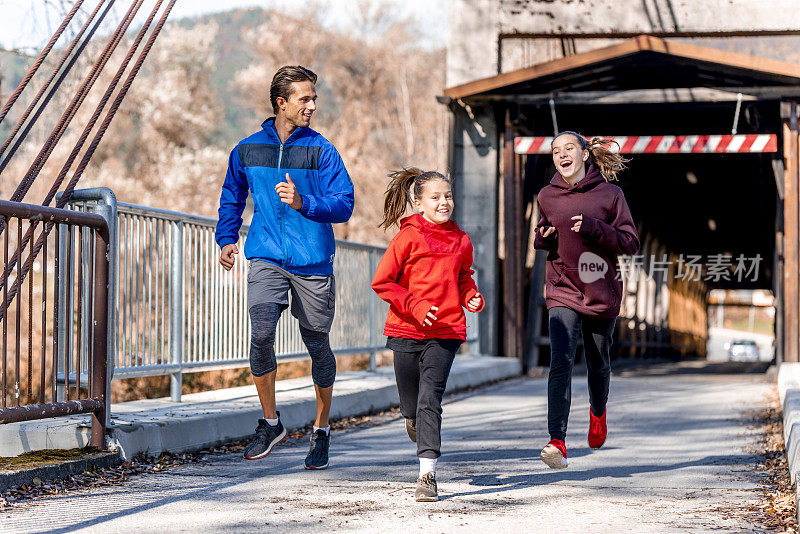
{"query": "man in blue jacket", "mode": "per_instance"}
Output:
(299, 186)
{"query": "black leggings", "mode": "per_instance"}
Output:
(565, 327)
(264, 322)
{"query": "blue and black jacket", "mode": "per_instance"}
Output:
(299, 241)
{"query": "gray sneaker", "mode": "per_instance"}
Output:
(267, 436)
(411, 429)
(426, 489)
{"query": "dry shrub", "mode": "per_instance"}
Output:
(377, 105)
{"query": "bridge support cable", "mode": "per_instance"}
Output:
(39, 60)
(97, 138)
(56, 70)
(70, 111)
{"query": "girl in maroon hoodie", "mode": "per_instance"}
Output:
(584, 224)
(426, 277)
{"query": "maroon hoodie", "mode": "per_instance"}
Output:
(581, 271)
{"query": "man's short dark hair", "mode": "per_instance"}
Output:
(282, 83)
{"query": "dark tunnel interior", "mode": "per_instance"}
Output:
(696, 204)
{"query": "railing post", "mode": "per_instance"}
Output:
(63, 292)
(100, 341)
(372, 312)
(176, 309)
(109, 213)
(85, 235)
(105, 205)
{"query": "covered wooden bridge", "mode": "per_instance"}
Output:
(713, 138)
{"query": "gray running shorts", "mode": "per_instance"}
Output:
(313, 296)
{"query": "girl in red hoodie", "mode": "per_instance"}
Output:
(426, 277)
(584, 224)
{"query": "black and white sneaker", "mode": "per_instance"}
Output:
(318, 452)
(267, 436)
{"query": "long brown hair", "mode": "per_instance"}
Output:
(610, 163)
(402, 185)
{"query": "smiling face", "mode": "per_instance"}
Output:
(300, 105)
(569, 156)
(436, 202)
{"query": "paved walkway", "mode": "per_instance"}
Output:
(676, 460)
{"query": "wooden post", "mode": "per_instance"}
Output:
(634, 331)
(791, 233)
(512, 273)
(536, 306)
(777, 278)
(536, 310)
(652, 305)
(644, 294)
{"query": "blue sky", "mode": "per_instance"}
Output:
(27, 24)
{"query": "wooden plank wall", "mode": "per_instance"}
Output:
(791, 233)
(660, 315)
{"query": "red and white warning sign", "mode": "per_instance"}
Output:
(667, 144)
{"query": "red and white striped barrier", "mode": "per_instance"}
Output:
(667, 144)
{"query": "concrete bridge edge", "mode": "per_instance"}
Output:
(789, 393)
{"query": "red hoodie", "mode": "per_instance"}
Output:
(425, 265)
(581, 266)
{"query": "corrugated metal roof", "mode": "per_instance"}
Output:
(643, 62)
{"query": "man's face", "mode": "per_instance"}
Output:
(301, 104)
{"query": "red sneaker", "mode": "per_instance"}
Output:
(597, 430)
(554, 454)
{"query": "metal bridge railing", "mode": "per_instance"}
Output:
(176, 310)
(54, 363)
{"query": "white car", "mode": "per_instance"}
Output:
(743, 350)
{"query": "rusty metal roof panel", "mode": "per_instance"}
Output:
(643, 62)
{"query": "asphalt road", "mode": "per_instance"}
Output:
(676, 459)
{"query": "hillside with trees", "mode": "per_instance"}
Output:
(205, 86)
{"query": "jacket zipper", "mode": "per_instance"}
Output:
(283, 214)
(283, 205)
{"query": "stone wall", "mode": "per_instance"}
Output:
(491, 36)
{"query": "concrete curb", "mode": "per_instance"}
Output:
(13, 479)
(208, 419)
(213, 418)
(789, 393)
